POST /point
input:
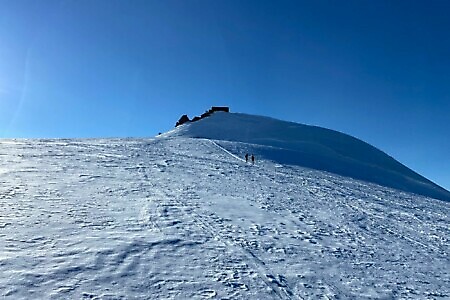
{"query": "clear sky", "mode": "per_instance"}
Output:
(378, 70)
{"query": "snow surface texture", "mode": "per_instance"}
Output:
(185, 218)
(314, 147)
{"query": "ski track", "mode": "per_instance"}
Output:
(183, 218)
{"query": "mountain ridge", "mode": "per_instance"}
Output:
(313, 147)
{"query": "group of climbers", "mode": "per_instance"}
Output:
(252, 158)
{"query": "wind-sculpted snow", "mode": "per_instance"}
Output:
(183, 218)
(312, 147)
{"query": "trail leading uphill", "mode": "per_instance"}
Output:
(313, 147)
(185, 218)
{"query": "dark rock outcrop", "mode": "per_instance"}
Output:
(185, 118)
(182, 120)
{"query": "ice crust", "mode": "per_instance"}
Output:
(186, 218)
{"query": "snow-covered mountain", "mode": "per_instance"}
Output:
(178, 217)
(313, 147)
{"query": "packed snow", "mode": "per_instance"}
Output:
(313, 147)
(178, 217)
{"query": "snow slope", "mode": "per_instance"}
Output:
(313, 147)
(185, 218)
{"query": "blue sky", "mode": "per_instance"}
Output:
(378, 70)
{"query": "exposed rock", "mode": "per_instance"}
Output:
(185, 118)
(182, 120)
(206, 114)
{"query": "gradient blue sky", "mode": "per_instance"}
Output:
(378, 70)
